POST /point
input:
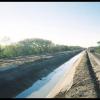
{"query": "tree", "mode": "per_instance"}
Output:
(33, 46)
(1, 51)
(98, 43)
(38, 45)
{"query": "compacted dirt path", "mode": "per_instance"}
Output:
(84, 82)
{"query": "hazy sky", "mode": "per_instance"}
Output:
(70, 23)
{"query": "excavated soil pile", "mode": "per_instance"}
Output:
(16, 80)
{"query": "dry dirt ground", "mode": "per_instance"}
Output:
(83, 83)
(20, 77)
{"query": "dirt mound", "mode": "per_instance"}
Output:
(22, 77)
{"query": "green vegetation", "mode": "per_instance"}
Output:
(33, 46)
(97, 48)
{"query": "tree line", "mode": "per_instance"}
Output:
(33, 46)
(97, 48)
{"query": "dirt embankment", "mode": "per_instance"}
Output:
(95, 62)
(84, 82)
(17, 79)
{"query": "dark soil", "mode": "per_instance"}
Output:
(16, 80)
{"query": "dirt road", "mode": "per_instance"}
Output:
(85, 83)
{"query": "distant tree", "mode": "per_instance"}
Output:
(9, 51)
(5, 40)
(1, 51)
(33, 46)
(38, 45)
(98, 43)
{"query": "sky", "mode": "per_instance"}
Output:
(68, 23)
